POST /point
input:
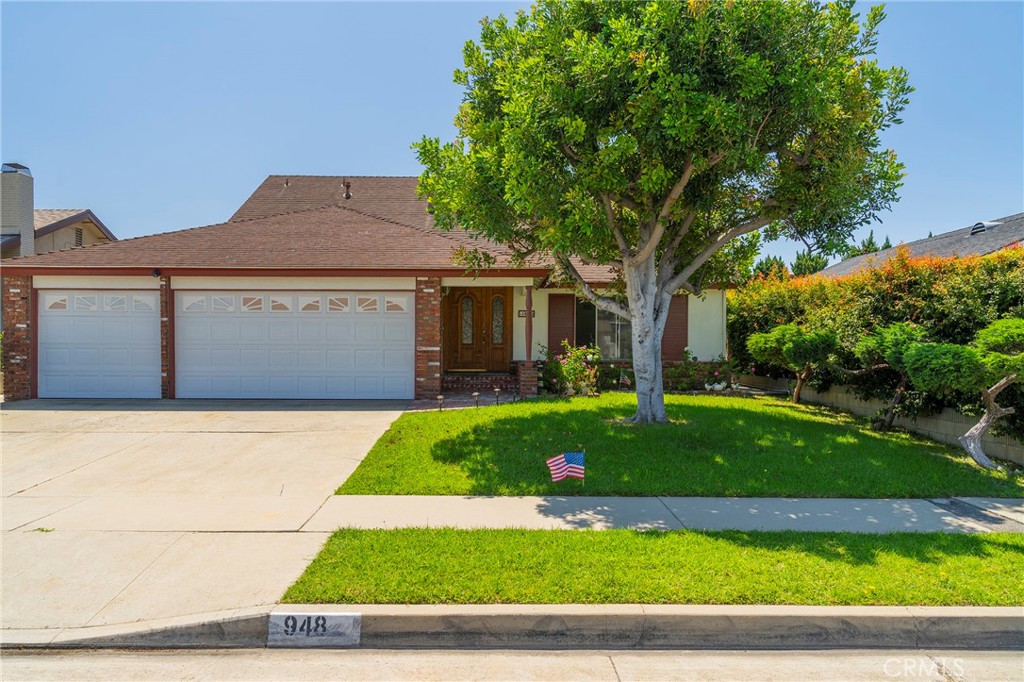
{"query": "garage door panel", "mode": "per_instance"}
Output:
(88, 330)
(195, 330)
(368, 331)
(224, 330)
(340, 359)
(252, 331)
(340, 331)
(309, 345)
(85, 357)
(115, 357)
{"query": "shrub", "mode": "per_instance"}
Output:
(574, 371)
(794, 348)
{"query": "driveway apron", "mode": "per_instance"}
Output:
(121, 511)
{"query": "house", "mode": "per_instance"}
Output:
(27, 230)
(977, 240)
(317, 287)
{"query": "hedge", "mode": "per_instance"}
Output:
(951, 299)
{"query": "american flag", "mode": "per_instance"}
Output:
(566, 465)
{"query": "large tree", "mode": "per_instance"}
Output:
(658, 138)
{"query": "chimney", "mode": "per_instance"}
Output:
(16, 204)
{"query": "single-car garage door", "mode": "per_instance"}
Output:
(99, 344)
(309, 344)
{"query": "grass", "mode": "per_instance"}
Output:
(714, 446)
(449, 566)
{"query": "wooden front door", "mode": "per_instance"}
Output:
(478, 329)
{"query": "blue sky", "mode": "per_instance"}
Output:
(162, 116)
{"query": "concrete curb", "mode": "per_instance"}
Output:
(625, 626)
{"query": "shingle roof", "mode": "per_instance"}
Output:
(42, 217)
(331, 237)
(307, 223)
(1008, 231)
(391, 198)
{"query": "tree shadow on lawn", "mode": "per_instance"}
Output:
(712, 448)
(860, 549)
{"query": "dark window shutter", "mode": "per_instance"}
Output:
(561, 320)
(676, 332)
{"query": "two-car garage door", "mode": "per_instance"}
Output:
(228, 344)
(288, 344)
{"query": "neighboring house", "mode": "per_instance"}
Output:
(977, 240)
(317, 287)
(45, 229)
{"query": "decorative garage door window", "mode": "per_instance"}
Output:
(309, 304)
(396, 304)
(252, 304)
(86, 304)
(116, 303)
(143, 303)
(222, 304)
(281, 304)
(338, 304)
(367, 304)
(56, 301)
(191, 303)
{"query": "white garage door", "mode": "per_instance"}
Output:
(99, 344)
(327, 344)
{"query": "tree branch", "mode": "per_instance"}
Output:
(859, 372)
(712, 248)
(609, 213)
(757, 136)
(603, 302)
(668, 258)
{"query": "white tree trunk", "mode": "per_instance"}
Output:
(972, 439)
(650, 314)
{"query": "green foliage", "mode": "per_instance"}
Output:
(867, 246)
(792, 347)
(574, 371)
(653, 136)
(950, 300)
(943, 368)
(1005, 337)
(691, 374)
(771, 266)
(808, 263)
(888, 345)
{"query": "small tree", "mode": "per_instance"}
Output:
(808, 263)
(885, 349)
(771, 266)
(990, 365)
(794, 348)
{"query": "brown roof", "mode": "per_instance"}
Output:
(391, 198)
(306, 223)
(332, 237)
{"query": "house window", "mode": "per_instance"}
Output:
(56, 302)
(222, 304)
(366, 304)
(144, 303)
(116, 303)
(281, 304)
(337, 304)
(309, 304)
(252, 304)
(86, 303)
(612, 334)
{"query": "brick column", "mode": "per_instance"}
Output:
(166, 338)
(428, 337)
(17, 342)
(527, 377)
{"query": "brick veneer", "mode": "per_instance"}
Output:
(166, 338)
(528, 381)
(428, 337)
(17, 342)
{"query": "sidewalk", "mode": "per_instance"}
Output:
(954, 515)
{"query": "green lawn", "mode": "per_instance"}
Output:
(715, 446)
(448, 566)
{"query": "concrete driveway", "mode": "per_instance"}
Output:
(121, 511)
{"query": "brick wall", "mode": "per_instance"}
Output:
(166, 338)
(17, 343)
(428, 337)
